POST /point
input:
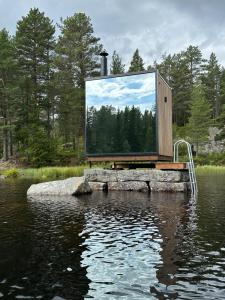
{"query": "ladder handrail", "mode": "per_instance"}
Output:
(191, 167)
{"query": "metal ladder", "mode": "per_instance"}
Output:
(190, 164)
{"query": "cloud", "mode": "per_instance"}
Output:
(153, 26)
(137, 90)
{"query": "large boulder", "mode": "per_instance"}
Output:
(71, 186)
(128, 186)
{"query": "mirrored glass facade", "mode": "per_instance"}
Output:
(121, 115)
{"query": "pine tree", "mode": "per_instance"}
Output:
(7, 89)
(77, 57)
(117, 67)
(199, 120)
(193, 58)
(211, 80)
(34, 49)
(137, 63)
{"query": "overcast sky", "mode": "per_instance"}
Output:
(153, 26)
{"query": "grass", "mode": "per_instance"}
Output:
(10, 173)
(53, 172)
(201, 170)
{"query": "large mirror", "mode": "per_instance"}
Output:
(121, 115)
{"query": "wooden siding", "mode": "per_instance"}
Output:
(164, 117)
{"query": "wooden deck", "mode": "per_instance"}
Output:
(129, 158)
(170, 166)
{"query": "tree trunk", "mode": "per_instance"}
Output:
(10, 142)
(5, 142)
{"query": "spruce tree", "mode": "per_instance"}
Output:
(199, 120)
(137, 63)
(117, 67)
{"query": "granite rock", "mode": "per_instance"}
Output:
(71, 186)
(98, 186)
(168, 186)
(100, 175)
(128, 186)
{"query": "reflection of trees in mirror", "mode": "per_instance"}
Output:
(111, 130)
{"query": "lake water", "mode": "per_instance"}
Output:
(113, 246)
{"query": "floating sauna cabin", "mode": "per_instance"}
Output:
(128, 118)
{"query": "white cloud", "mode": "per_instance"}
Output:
(136, 90)
(153, 26)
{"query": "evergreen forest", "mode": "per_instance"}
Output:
(120, 131)
(42, 98)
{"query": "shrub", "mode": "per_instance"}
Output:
(11, 173)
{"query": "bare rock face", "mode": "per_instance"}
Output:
(71, 186)
(98, 186)
(168, 186)
(100, 175)
(128, 186)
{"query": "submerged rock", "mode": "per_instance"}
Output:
(71, 186)
(2, 177)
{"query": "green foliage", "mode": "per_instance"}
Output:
(42, 89)
(11, 173)
(211, 81)
(76, 58)
(181, 71)
(180, 132)
(41, 149)
(199, 120)
(205, 170)
(7, 91)
(53, 172)
(34, 44)
(214, 159)
(136, 63)
(117, 67)
(127, 130)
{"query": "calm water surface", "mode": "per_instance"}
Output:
(113, 246)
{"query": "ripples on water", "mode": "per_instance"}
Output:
(113, 246)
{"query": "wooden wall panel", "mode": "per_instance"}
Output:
(164, 115)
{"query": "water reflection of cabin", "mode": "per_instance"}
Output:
(128, 118)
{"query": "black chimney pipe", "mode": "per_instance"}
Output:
(104, 67)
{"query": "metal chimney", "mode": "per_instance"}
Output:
(104, 67)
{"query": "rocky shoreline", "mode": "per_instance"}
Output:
(115, 180)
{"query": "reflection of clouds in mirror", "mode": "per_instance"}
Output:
(137, 90)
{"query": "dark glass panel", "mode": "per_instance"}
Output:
(120, 115)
